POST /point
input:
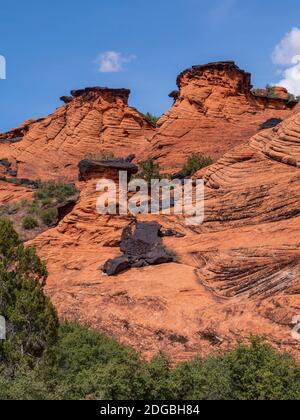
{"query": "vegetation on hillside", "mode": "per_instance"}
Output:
(41, 359)
(152, 118)
(100, 156)
(148, 170)
(31, 319)
(42, 211)
(195, 162)
(271, 93)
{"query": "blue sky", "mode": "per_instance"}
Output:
(54, 46)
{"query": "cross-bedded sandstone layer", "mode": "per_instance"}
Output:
(214, 110)
(92, 121)
(235, 275)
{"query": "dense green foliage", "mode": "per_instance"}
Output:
(29, 222)
(90, 365)
(148, 170)
(31, 319)
(43, 209)
(152, 118)
(49, 216)
(194, 163)
(42, 360)
(53, 192)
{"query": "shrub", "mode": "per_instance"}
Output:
(255, 372)
(194, 163)
(5, 162)
(271, 92)
(258, 372)
(152, 118)
(49, 216)
(100, 156)
(13, 208)
(29, 222)
(54, 192)
(148, 170)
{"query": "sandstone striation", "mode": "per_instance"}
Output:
(11, 193)
(92, 121)
(214, 110)
(235, 275)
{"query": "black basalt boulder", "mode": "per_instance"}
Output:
(115, 266)
(142, 246)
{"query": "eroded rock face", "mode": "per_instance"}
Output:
(214, 110)
(11, 193)
(92, 121)
(235, 275)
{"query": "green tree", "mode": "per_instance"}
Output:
(31, 320)
(258, 372)
(49, 216)
(152, 118)
(29, 223)
(195, 162)
(148, 170)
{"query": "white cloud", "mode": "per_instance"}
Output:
(287, 54)
(113, 61)
(288, 48)
(291, 80)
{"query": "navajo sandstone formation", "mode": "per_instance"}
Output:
(92, 121)
(214, 110)
(235, 275)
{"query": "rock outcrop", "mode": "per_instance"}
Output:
(141, 246)
(214, 110)
(92, 121)
(89, 169)
(12, 193)
(235, 275)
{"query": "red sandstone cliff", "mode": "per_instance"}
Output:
(93, 120)
(237, 274)
(214, 110)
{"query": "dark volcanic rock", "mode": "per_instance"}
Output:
(116, 266)
(270, 123)
(89, 169)
(66, 99)
(170, 232)
(141, 245)
(23, 182)
(159, 256)
(141, 240)
(5, 163)
(12, 173)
